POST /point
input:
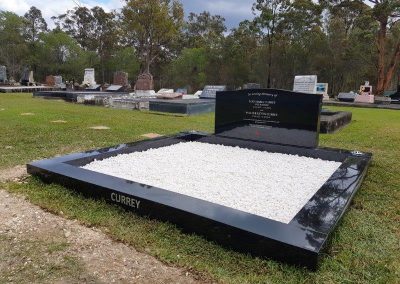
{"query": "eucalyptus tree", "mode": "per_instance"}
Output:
(34, 24)
(271, 13)
(152, 27)
(386, 15)
(13, 48)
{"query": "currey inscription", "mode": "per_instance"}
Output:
(126, 200)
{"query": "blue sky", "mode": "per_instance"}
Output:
(234, 11)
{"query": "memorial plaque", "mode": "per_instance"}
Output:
(269, 115)
(3, 74)
(305, 84)
(209, 92)
(115, 88)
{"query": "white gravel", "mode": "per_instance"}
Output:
(271, 185)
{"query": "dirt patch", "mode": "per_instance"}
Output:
(152, 135)
(58, 121)
(27, 114)
(37, 246)
(13, 174)
(101, 127)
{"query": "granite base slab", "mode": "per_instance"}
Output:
(331, 121)
(303, 241)
(183, 106)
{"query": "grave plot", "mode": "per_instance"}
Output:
(259, 185)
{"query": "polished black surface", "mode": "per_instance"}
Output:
(300, 242)
(331, 121)
(183, 106)
(269, 115)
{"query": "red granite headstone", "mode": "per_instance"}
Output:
(50, 80)
(144, 82)
(121, 78)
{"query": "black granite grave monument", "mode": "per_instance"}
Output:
(265, 120)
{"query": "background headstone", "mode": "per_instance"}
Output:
(182, 91)
(120, 78)
(58, 81)
(144, 82)
(50, 80)
(322, 89)
(31, 80)
(210, 91)
(89, 77)
(251, 86)
(25, 76)
(269, 115)
(305, 84)
(3, 74)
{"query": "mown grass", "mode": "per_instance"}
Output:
(364, 249)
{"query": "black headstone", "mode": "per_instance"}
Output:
(210, 91)
(269, 115)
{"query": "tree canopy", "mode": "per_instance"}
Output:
(344, 42)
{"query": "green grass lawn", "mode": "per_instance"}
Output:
(364, 249)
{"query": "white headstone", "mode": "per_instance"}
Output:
(31, 80)
(305, 84)
(198, 93)
(366, 89)
(88, 78)
(3, 74)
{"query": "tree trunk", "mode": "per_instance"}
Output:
(269, 62)
(392, 67)
(380, 88)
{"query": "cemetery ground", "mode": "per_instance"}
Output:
(365, 248)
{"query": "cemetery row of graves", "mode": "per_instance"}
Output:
(305, 189)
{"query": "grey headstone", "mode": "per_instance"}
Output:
(347, 97)
(3, 74)
(210, 91)
(251, 86)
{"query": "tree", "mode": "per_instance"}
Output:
(152, 26)
(204, 30)
(189, 69)
(13, 48)
(34, 24)
(271, 14)
(386, 13)
(61, 55)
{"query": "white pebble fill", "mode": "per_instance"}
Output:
(271, 185)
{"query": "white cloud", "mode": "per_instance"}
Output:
(226, 7)
(51, 8)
